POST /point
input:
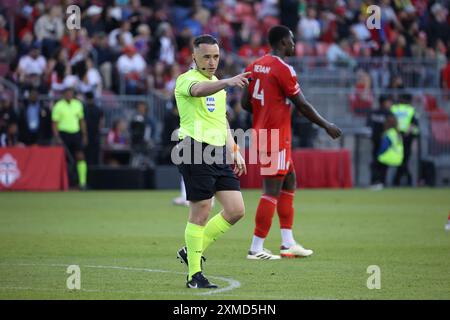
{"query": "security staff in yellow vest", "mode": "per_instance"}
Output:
(408, 127)
(390, 153)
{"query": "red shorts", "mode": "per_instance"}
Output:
(277, 163)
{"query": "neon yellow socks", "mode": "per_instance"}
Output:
(198, 238)
(214, 229)
(193, 236)
(82, 172)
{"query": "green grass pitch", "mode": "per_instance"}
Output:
(125, 244)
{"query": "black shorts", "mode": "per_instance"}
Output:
(203, 180)
(72, 141)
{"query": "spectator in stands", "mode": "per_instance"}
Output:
(362, 99)
(338, 55)
(49, 30)
(308, 28)
(35, 123)
(104, 57)
(438, 27)
(32, 63)
(58, 68)
(142, 39)
(117, 145)
(131, 66)
(90, 78)
(156, 79)
(7, 51)
(95, 119)
(117, 136)
(359, 30)
(400, 48)
(376, 121)
(408, 126)
(93, 21)
(26, 41)
(120, 37)
(254, 49)
(166, 43)
(395, 84)
(172, 74)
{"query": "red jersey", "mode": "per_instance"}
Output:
(273, 81)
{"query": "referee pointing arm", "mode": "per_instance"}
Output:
(201, 101)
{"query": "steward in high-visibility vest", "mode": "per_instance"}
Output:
(408, 126)
(405, 113)
(391, 153)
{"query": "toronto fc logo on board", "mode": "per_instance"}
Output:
(9, 172)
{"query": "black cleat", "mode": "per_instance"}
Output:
(182, 256)
(199, 281)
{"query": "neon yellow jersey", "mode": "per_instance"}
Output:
(393, 156)
(67, 115)
(201, 118)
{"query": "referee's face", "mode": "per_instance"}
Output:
(206, 57)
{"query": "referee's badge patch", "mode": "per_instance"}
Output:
(210, 104)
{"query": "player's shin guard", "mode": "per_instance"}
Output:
(194, 243)
(264, 215)
(214, 229)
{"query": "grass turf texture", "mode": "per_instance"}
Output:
(401, 231)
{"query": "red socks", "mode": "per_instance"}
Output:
(285, 209)
(264, 215)
(266, 208)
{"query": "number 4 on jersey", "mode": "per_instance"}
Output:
(260, 95)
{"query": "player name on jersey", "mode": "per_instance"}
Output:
(261, 69)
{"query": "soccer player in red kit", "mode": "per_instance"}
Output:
(272, 88)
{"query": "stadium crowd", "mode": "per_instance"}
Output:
(137, 46)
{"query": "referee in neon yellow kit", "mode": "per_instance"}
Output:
(201, 101)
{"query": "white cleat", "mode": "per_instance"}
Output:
(295, 251)
(180, 201)
(262, 255)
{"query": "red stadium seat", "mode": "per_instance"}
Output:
(430, 103)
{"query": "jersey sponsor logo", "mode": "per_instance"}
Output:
(210, 104)
(9, 172)
(261, 69)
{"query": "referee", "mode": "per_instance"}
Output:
(69, 129)
(201, 101)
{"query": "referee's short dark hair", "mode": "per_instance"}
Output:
(205, 38)
(278, 33)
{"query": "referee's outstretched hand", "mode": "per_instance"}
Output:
(241, 80)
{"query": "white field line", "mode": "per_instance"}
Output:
(232, 284)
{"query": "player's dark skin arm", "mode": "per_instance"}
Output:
(305, 108)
